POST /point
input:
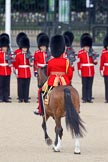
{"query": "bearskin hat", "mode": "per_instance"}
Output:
(105, 41)
(67, 41)
(86, 41)
(19, 36)
(24, 43)
(40, 34)
(5, 35)
(70, 35)
(4, 41)
(85, 36)
(43, 40)
(57, 45)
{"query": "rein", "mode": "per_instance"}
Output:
(40, 86)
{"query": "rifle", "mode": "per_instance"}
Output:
(93, 54)
(71, 55)
(10, 57)
(29, 57)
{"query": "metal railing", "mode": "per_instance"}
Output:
(38, 15)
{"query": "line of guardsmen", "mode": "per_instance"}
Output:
(21, 60)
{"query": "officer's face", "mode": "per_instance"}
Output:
(4, 49)
(24, 50)
(43, 48)
(86, 48)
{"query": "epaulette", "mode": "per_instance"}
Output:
(104, 51)
(81, 51)
(37, 51)
(19, 53)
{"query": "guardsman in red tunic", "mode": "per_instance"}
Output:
(42, 55)
(69, 51)
(59, 71)
(86, 62)
(5, 69)
(104, 66)
(10, 58)
(16, 52)
(23, 72)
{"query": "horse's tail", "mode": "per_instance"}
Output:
(73, 120)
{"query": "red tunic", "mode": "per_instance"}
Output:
(5, 70)
(22, 66)
(59, 72)
(39, 59)
(104, 62)
(85, 64)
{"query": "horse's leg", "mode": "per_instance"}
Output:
(47, 138)
(59, 133)
(77, 146)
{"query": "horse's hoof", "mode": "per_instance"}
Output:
(48, 141)
(77, 151)
(56, 149)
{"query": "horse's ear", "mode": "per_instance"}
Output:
(45, 69)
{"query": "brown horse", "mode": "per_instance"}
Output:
(63, 102)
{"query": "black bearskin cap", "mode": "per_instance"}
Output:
(57, 45)
(43, 40)
(4, 41)
(19, 36)
(24, 43)
(83, 37)
(85, 34)
(67, 41)
(105, 41)
(40, 34)
(5, 35)
(70, 35)
(86, 41)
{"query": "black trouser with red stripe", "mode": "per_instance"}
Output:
(4, 87)
(106, 87)
(23, 88)
(87, 83)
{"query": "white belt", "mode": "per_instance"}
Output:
(24, 66)
(4, 64)
(106, 64)
(41, 65)
(87, 64)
